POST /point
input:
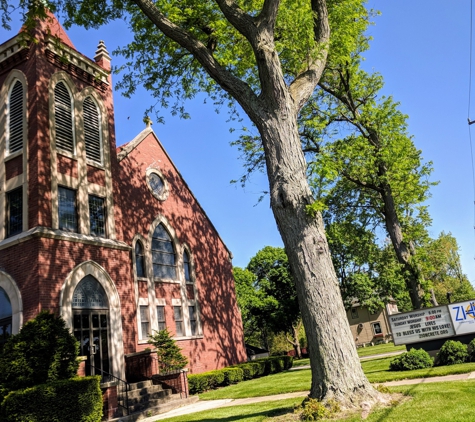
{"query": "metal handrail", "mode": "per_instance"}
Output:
(106, 377)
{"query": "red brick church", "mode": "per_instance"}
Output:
(112, 239)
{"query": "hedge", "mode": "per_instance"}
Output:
(199, 383)
(77, 399)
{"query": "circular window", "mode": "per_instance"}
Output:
(157, 185)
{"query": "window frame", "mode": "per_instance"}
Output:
(354, 313)
(19, 119)
(163, 252)
(193, 322)
(161, 321)
(143, 260)
(76, 216)
(373, 328)
(8, 213)
(179, 321)
(143, 337)
(104, 216)
(94, 143)
(69, 151)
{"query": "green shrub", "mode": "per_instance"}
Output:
(215, 378)
(471, 351)
(169, 354)
(247, 370)
(77, 399)
(259, 368)
(44, 350)
(314, 410)
(414, 359)
(232, 375)
(198, 383)
(452, 352)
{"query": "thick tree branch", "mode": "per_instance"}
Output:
(238, 18)
(234, 86)
(268, 15)
(304, 84)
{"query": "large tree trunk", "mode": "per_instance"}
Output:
(404, 254)
(336, 369)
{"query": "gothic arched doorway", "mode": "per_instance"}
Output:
(90, 309)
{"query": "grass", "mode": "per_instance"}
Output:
(377, 371)
(283, 382)
(362, 352)
(379, 349)
(265, 411)
(435, 402)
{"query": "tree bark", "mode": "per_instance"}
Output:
(403, 252)
(336, 369)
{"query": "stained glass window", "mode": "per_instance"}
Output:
(89, 294)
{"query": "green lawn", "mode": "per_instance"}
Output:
(377, 371)
(435, 402)
(379, 349)
(363, 352)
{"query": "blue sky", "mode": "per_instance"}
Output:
(422, 50)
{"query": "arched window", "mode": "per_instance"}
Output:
(63, 118)
(5, 317)
(163, 254)
(139, 260)
(187, 266)
(92, 130)
(15, 118)
(89, 294)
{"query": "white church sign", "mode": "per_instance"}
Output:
(422, 325)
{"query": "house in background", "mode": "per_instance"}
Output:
(112, 239)
(370, 327)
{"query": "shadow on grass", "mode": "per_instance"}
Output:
(246, 416)
(388, 411)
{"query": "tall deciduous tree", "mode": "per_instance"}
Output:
(440, 263)
(267, 56)
(278, 310)
(376, 159)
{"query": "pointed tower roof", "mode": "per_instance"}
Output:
(51, 26)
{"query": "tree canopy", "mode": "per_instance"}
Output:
(267, 297)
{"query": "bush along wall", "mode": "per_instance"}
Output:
(78, 399)
(199, 383)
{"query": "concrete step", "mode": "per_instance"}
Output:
(156, 410)
(141, 384)
(140, 406)
(138, 393)
(144, 398)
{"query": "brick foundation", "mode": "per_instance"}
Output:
(109, 401)
(141, 366)
(177, 381)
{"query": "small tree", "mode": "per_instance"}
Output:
(168, 353)
(44, 350)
